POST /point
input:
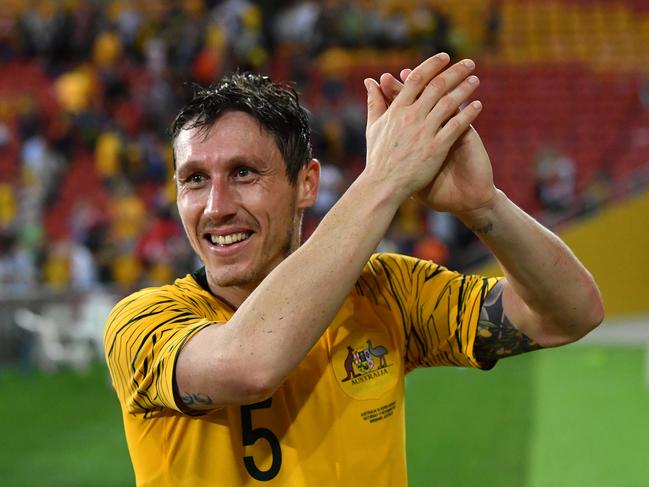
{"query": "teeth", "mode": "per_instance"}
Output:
(228, 239)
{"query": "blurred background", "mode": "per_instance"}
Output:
(87, 92)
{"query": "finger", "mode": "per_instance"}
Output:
(459, 124)
(404, 73)
(420, 77)
(443, 84)
(390, 86)
(376, 105)
(452, 101)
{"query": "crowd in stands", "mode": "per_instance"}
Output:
(88, 90)
(115, 73)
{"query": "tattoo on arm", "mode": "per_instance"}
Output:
(497, 337)
(484, 229)
(196, 399)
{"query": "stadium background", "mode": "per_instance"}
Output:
(87, 89)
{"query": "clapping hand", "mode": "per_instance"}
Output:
(463, 180)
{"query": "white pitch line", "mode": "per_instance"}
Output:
(633, 331)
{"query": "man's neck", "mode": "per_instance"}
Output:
(231, 295)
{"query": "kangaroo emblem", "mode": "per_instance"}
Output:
(349, 365)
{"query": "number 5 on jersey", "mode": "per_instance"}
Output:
(250, 436)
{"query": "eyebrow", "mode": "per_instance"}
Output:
(187, 166)
(247, 160)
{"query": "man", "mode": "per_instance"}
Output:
(284, 363)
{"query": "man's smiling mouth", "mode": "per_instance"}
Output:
(232, 238)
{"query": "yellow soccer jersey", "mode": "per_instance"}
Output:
(338, 419)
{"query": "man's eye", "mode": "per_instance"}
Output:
(243, 172)
(195, 179)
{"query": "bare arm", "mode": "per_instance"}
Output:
(275, 327)
(271, 332)
(547, 293)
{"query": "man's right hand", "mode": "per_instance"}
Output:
(409, 140)
(465, 182)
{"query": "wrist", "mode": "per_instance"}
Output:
(381, 190)
(481, 220)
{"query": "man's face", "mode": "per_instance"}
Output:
(239, 210)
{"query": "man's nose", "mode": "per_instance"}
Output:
(222, 199)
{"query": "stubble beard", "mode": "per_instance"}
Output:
(253, 276)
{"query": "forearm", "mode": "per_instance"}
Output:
(297, 301)
(277, 325)
(550, 295)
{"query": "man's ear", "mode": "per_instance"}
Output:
(308, 183)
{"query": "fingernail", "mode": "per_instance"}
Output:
(443, 56)
(476, 104)
(468, 63)
(472, 79)
(367, 84)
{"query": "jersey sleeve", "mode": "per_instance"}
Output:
(143, 336)
(439, 309)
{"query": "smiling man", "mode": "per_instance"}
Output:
(238, 205)
(284, 363)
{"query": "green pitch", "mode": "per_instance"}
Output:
(61, 430)
(576, 416)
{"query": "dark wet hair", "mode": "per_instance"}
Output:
(276, 106)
